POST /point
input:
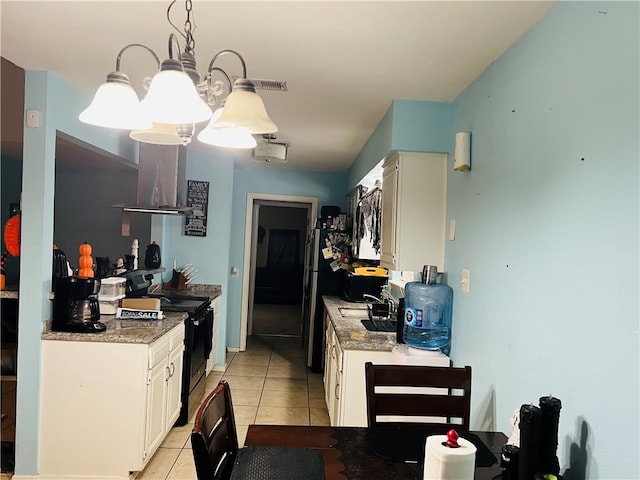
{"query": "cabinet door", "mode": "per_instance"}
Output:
(174, 386)
(156, 407)
(389, 213)
(338, 386)
(329, 373)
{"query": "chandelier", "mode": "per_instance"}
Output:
(178, 98)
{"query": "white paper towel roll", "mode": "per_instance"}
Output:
(446, 463)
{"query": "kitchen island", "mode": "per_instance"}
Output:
(348, 346)
(110, 398)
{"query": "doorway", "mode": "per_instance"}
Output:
(279, 253)
(276, 234)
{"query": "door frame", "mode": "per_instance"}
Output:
(250, 241)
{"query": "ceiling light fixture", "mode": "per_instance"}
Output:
(177, 99)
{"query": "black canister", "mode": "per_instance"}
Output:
(400, 321)
(152, 256)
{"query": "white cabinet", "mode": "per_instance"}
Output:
(413, 211)
(106, 407)
(344, 380)
(211, 361)
(164, 385)
(332, 372)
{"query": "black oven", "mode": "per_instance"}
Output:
(197, 346)
(198, 331)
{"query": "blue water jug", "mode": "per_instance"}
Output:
(427, 317)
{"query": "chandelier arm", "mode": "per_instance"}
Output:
(173, 24)
(174, 39)
(135, 45)
(218, 69)
(223, 52)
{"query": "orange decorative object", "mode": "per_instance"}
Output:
(85, 249)
(86, 261)
(12, 235)
(85, 272)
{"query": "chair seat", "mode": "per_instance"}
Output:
(277, 463)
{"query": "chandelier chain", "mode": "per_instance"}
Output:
(188, 24)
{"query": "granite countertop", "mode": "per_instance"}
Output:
(196, 290)
(351, 333)
(116, 333)
(9, 292)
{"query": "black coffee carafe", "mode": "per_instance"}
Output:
(76, 307)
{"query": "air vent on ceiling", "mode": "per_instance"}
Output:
(271, 152)
(261, 84)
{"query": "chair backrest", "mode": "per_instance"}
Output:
(214, 440)
(409, 393)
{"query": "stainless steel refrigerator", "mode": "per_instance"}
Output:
(320, 279)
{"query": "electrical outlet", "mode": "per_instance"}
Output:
(464, 283)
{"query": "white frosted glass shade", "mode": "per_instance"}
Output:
(173, 98)
(159, 134)
(115, 105)
(232, 137)
(246, 110)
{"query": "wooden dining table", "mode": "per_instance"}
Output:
(348, 452)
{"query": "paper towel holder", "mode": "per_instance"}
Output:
(462, 152)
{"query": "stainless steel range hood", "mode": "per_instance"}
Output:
(161, 183)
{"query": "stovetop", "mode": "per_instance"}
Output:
(181, 303)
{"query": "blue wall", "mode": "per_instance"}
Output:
(209, 255)
(329, 188)
(59, 106)
(409, 126)
(547, 223)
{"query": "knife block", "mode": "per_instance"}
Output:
(177, 282)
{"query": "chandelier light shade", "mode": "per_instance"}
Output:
(231, 137)
(173, 98)
(244, 108)
(159, 134)
(115, 105)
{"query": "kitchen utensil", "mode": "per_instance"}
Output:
(191, 277)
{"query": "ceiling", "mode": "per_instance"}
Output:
(344, 61)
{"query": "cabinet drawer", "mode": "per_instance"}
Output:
(176, 337)
(158, 351)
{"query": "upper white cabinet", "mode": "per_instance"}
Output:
(414, 188)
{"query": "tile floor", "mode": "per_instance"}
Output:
(269, 383)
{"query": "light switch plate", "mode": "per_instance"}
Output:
(33, 118)
(464, 283)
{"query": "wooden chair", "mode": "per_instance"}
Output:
(214, 440)
(410, 393)
(214, 443)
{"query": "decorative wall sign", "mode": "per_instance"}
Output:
(198, 200)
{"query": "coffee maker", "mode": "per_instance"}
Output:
(76, 307)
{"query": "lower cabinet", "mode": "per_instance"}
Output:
(344, 380)
(164, 384)
(106, 407)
